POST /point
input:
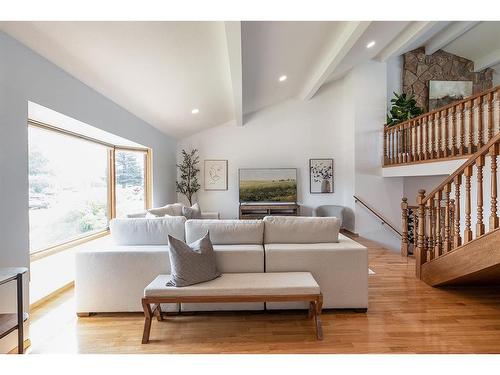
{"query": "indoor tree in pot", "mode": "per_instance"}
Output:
(403, 108)
(187, 183)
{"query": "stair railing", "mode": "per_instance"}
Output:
(453, 131)
(439, 226)
(383, 220)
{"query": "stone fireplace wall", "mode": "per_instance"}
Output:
(419, 69)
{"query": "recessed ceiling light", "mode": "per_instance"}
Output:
(194, 111)
(371, 44)
(283, 78)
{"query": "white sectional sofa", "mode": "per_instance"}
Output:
(111, 276)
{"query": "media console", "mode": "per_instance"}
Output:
(259, 210)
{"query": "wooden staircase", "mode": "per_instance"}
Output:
(453, 242)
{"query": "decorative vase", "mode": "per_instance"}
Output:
(325, 186)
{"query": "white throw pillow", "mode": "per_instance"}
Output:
(193, 212)
(174, 209)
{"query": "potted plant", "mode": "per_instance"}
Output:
(403, 108)
(187, 184)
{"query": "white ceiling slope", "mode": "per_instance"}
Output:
(160, 71)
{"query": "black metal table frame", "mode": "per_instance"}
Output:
(20, 316)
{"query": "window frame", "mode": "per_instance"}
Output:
(112, 148)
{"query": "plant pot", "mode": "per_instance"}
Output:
(325, 186)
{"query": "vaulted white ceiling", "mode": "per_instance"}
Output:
(161, 71)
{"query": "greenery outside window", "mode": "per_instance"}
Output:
(77, 184)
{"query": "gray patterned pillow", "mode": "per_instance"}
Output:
(192, 212)
(193, 263)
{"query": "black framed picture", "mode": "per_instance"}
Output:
(321, 176)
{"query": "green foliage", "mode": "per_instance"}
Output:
(91, 216)
(268, 191)
(128, 170)
(403, 108)
(187, 184)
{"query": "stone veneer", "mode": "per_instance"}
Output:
(419, 69)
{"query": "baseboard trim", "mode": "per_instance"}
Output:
(55, 293)
(349, 233)
(26, 344)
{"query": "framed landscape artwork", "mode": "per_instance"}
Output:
(215, 175)
(321, 176)
(442, 93)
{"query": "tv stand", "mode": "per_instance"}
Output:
(259, 210)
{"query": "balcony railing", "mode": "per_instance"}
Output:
(454, 131)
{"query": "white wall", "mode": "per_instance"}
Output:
(26, 76)
(394, 77)
(284, 135)
(369, 94)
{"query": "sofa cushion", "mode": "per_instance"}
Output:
(341, 270)
(174, 209)
(226, 232)
(147, 231)
(239, 258)
(292, 229)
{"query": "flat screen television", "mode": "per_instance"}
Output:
(268, 185)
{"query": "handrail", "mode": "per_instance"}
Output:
(441, 109)
(470, 161)
(384, 221)
(454, 131)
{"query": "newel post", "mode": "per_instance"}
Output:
(420, 254)
(404, 229)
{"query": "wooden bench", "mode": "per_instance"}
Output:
(236, 287)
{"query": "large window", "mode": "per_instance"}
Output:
(130, 167)
(76, 185)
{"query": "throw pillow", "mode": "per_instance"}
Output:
(192, 212)
(174, 209)
(191, 263)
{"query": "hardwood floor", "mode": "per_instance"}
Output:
(405, 316)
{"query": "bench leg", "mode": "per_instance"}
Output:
(312, 306)
(318, 306)
(158, 312)
(147, 322)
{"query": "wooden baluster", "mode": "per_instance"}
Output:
(446, 242)
(498, 110)
(410, 147)
(457, 240)
(490, 115)
(461, 147)
(420, 255)
(425, 121)
(467, 230)
(386, 156)
(407, 143)
(433, 137)
(439, 145)
(404, 228)
(493, 216)
(446, 133)
(452, 222)
(393, 146)
(453, 131)
(480, 224)
(398, 154)
(438, 234)
(470, 109)
(480, 139)
(432, 224)
(421, 139)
